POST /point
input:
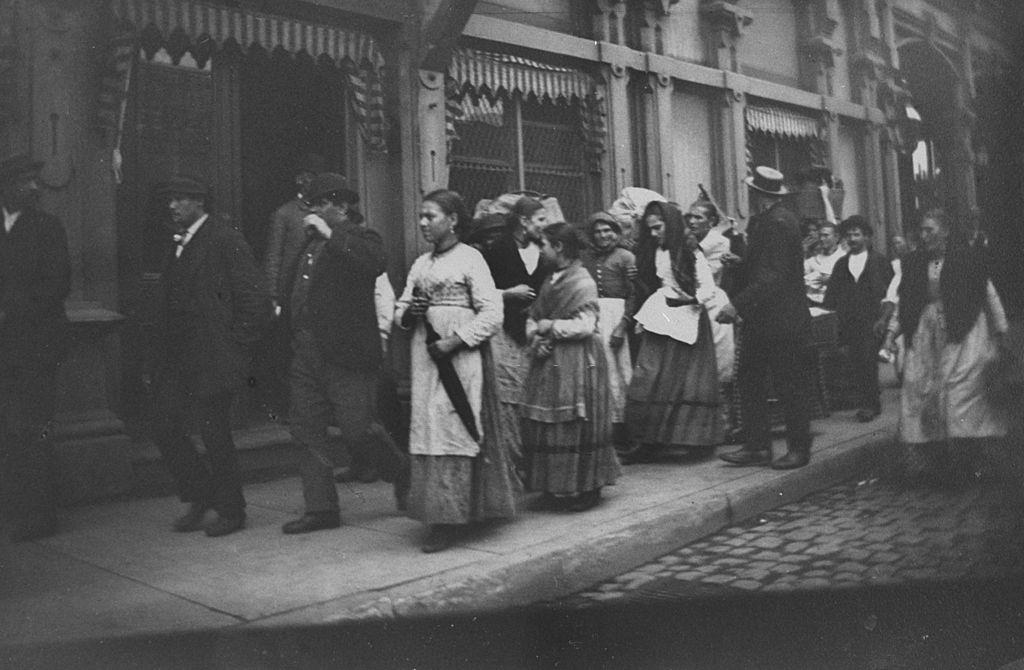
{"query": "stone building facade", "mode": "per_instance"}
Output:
(910, 103)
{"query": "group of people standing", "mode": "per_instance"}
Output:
(540, 350)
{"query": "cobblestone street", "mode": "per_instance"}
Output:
(861, 533)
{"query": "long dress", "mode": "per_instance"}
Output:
(511, 266)
(455, 479)
(566, 427)
(944, 384)
(616, 301)
(674, 397)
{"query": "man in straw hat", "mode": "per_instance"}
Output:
(775, 328)
(213, 312)
(35, 278)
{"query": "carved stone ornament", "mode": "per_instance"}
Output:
(822, 49)
(726, 16)
(431, 80)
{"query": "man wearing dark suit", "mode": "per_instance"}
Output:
(285, 241)
(214, 309)
(775, 327)
(336, 343)
(35, 278)
(855, 292)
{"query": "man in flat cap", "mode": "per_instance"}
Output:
(775, 327)
(35, 278)
(214, 309)
(336, 343)
(285, 241)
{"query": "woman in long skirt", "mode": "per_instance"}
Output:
(951, 319)
(566, 425)
(613, 270)
(458, 474)
(673, 399)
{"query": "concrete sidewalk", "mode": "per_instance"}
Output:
(117, 569)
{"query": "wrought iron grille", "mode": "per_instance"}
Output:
(485, 158)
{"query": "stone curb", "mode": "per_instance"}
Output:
(555, 568)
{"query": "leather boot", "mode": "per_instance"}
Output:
(225, 524)
(192, 520)
(311, 521)
(796, 457)
(747, 456)
(440, 537)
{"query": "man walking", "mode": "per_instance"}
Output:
(213, 312)
(856, 291)
(775, 327)
(336, 342)
(35, 278)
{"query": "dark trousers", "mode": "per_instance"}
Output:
(214, 480)
(787, 362)
(863, 356)
(27, 466)
(320, 392)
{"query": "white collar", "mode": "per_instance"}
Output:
(183, 238)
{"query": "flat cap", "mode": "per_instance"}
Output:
(181, 185)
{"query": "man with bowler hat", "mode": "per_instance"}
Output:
(213, 312)
(35, 278)
(775, 326)
(336, 344)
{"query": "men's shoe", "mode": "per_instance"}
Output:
(792, 460)
(311, 521)
(440, 537)
(36, 529)
(866, 414)
(192, 520)
(744, 456)
(225, 525)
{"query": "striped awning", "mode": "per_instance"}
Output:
(493, 75)
(782, 122)
(207, 24)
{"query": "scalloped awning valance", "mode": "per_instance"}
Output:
(493, 75)
(781, 121)
(207, 26)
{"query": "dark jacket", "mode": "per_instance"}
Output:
(962, 287)
(35, 279)
(284, 244)
(770, 294)
(337, 303)
(214, 309)
(508, 270)
(857, 302)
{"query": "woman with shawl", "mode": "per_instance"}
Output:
(673, 399)
(952, 322)
(566, 425)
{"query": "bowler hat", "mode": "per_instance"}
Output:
(326, 183)
(17, 165)
(311, 162)
(767, 180)
(182, 185)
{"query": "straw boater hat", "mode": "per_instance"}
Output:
(767, 180)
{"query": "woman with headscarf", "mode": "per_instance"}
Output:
(566, 424)
(459, 472)
(673, 399)
(510, 247)
(952, 322)
(613, 269)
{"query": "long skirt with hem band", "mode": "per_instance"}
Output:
(674, 397)
(462, 489)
